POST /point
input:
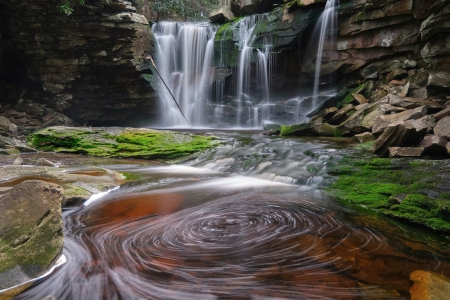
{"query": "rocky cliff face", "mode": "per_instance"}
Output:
(89, 66)
(374, 39)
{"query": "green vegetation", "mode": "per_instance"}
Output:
(349, 98)
(67, 6)
(401, 188)
(296, 129)
(120, 142)
(181, 10)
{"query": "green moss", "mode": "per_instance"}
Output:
(395, 187)
(296, 129)
(132, 143)
(349, 98)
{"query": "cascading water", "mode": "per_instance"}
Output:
(201, 88)
(185, 53)
(328, 25)
(185, 61)
(247, 220)
(244, 97)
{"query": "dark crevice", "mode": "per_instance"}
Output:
(41, 220)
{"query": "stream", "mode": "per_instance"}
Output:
(248, 220)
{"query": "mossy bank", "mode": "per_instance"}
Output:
(121, 142)
(416, 190)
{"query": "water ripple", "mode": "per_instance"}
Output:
(249, 246)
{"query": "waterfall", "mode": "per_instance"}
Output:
(185, 60)
(185, 55)
(328, 25)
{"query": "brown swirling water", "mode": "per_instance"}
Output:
(248, 221)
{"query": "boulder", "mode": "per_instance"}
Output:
(5, 123)
(18, 161)
(442, 127)
(297, 129)
(324, 129)
(442, 114)
(439, 80)
(429, 286)
(364, 137)
(31, 231)
(360, 98)
(325, 114)
(399, 133)
(362, 120)
(397, 74)
(383, 121)
(45, 162)
(222, 15)
(341, 114)
(250, 7)
(434, 144)
(388, 109)
(405, 151)
(410, 103)
(377, 96)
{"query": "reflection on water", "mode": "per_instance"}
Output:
(222, 228)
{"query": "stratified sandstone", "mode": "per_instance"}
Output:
(89, 66)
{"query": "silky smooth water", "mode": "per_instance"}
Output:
(248, 220)
(328, 26)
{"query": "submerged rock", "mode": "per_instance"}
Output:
(429, 286)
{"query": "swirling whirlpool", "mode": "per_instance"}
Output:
(248, 246)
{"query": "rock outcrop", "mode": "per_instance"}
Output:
(88, 68)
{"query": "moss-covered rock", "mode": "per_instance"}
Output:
(414, 190)
(297, 129)
(30, 230)
(121, 142)
(349, 97)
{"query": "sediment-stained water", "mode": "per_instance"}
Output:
(246, 221)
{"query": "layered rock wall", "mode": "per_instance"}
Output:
(89, 66)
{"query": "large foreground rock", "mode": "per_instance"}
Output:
(31, 231)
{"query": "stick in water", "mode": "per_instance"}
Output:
(173, 97)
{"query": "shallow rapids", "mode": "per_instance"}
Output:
(246, 221)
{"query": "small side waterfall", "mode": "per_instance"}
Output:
(185, 54)
(328, 25)
(261, 76)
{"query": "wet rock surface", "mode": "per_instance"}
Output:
(30, 231)
(121, 142)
